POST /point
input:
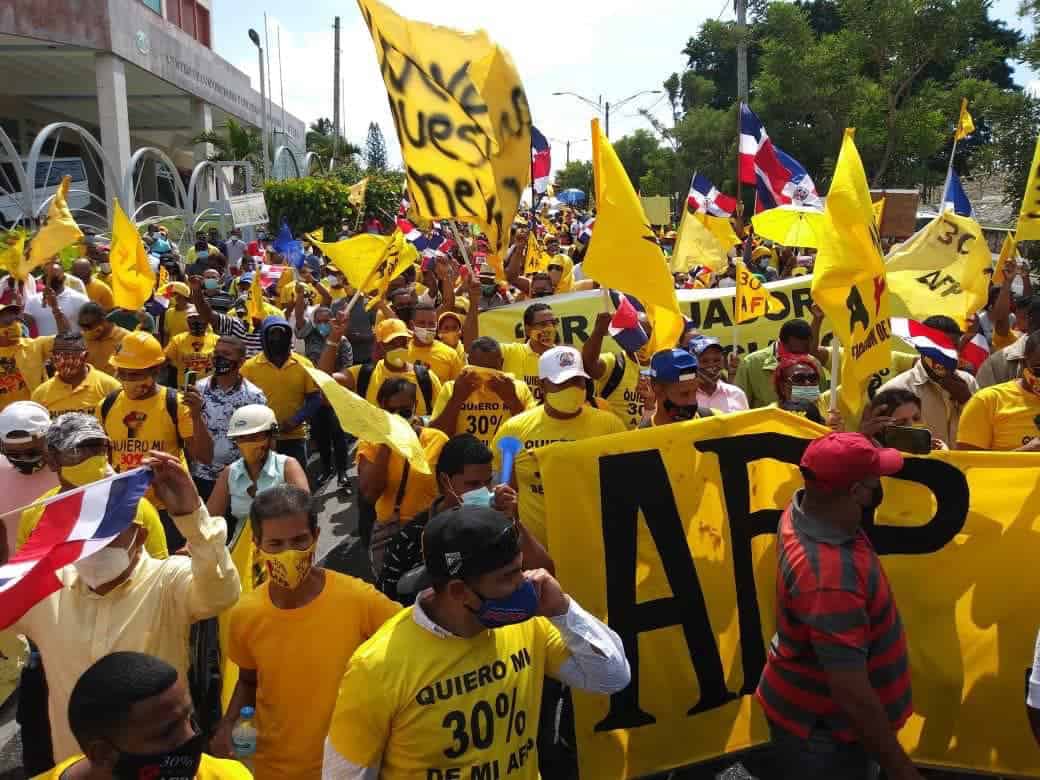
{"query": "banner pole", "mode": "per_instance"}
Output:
(835, 371)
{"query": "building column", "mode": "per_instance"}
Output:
(202, 122)
(113, 119)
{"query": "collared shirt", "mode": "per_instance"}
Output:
(236, 247)
(726, 398)
(939, 411)
(286, 387)
(59, 397)
(755, 377)
(217, 407)
(1003, 365)
(151, 613)
(272, 473)
(834, 609)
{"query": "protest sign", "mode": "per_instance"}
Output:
(669, 534)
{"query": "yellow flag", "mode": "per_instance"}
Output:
(719, 227)
(533, 260)
(1029, 217)
(940, 270)
(849, 276)
(462, 119)
(752, 299)
(316, 235)
(356, 192)
(58, 231)
(255, 301)
(1007, 252)
(495, 261)
(12, 254)
(356, 257)
(399, 257)
(965, 124)
(370, 423)
(132, 277)
(164, 278)
(623, 253)
(697, 245)
(879, 212)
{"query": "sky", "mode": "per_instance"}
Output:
(622, 49)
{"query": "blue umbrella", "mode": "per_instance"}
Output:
(571, 197)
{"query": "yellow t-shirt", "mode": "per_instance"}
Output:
(442, 706)
(147, 517)
(22, 369)
(59, 397)
(337, 292)
(192, 353)
(100, 351)
(380, 375)
(440, 358)
(285, 388)
(521, 361)
(135, 427)
(175, 322)
(210, 768)
(420, 490)
(346, 613)
(100, 293)
(537, 429)
(624, 400)
(1000, 417)
(483, 412)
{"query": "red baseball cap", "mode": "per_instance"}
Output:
(839, 459)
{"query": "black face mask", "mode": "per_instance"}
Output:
(29, 465)
(405, 313)
(222, 365)
(277, 343)
(680, 412)
(179, 764)
(405, 413)
(877, 495)
(196, 328)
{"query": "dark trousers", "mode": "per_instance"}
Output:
(821, 755)
(297, 448)
(33, 718)
(330, 440)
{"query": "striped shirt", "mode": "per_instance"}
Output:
(834, 609)
(230, 326)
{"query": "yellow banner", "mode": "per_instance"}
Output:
(683, 565)
(462, 119)
(939, 270)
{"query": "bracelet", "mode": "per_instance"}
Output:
(331, 343)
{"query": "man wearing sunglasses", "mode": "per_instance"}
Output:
(521, 359)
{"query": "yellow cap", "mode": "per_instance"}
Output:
(799, 270)
(388, 330)
(762, 251)
(137, 351)
(453, 315)
(178, 288)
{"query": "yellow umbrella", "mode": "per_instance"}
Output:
(790, 226)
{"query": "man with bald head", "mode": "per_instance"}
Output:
(99, 292)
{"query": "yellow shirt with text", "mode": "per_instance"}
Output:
(426, 705)
(420, 490)
(285, 386)
(1000, 417)
(346, 613)
(440, 358)
(521, 361)
(60, 397)
(537, 429)
(483, 412)
(22, 368)
(192, 353)
(380, 375)
(624, 400)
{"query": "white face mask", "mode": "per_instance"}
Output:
(105, 565)
(425, 335)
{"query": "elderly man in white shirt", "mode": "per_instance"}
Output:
(712, 391)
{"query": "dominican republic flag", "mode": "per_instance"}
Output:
(975, 352)
(586, 230)
(624, 325)
(954, 196)
(929, 342)
(779, 179)
(425, 244)
(541, 161)
(269, 274)
(73, 526)
(705, 197)
(800, 190)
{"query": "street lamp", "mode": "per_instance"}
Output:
(605, 108)
(569, 141)
(255, 38)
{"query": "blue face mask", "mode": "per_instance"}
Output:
(519, 606)
(324, 328)
(482, 497)
(160, 246)
(211, 284)
(202, 253)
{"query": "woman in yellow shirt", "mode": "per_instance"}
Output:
(1006, 417)
(387, 481)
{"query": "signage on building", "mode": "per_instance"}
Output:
(249, 209)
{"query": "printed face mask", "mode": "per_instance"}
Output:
(252, 450)
(68, 365)
(519, 606)
(181, 763)
(545, 335)
(222, 365)
(288, 568)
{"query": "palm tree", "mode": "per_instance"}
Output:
(324, 141)
(239, 143)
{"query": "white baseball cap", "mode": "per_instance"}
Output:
(561, 364)
(250, 419)
(24, 417)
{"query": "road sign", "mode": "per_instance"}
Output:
(248, 209)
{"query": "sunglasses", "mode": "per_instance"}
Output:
(804, 380)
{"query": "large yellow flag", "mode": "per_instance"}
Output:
(849, 276)
(719, 227)
(940, 270)
(1008, 250)
(12, 254)
(965, 124)
(462, 119)
(356, 192)
(399, 257)
(370, 423)
(1029, 216)
(58, 231)
(752, 299)
(356, 257)
(132, 277)
(697, 245)
(255, 301)
(623, 253)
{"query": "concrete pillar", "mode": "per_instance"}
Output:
(113, 119)
(202, 122)
(149, 186)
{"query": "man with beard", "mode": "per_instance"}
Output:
(68, 300)
(712, 391)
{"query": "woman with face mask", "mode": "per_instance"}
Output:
(797, 382)
(253, 429)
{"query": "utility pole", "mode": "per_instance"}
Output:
(281, 81)
(606, 119)
(335, 84)
(568, 153)
(740, 6)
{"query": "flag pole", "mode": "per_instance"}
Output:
(835, 371)
(740, 191)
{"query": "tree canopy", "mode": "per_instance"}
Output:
(375, 149)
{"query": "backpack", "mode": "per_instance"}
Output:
(171, 409)
(422, 378)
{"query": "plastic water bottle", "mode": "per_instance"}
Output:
(243, 737)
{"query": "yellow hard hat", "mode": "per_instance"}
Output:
(762, 251)
(138, 350)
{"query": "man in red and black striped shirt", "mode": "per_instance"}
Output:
(836, 686)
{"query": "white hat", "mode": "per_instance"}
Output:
(250, 419)
(561, 364)
(24, 416)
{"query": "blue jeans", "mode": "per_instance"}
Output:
(820, 756)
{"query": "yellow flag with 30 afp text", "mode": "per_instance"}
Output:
(752, 299)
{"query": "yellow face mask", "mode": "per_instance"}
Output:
(90, 470)
(252, 450)
(566, 401)
(450, 337)
(545, 335)
(396, 357)
(12, 332)
(288, 568)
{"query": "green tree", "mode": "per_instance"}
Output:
(575, 175)
(375, 149)
(635, 152)
(237, 142)
(324, 141)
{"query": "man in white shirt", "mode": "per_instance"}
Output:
(69, 301)
(236, 247)
(712, 392)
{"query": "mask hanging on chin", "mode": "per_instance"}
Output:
(177, 764)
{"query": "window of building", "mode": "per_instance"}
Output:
(191, 17)
(155, 5)
(188, 16)
(202, 25)
(173, 12)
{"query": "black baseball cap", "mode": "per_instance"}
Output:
(462, 543)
